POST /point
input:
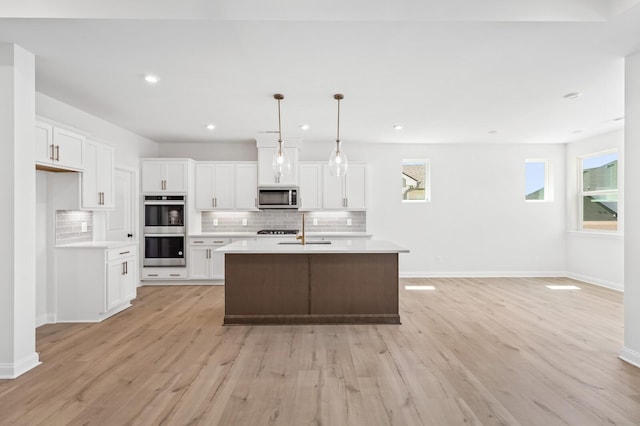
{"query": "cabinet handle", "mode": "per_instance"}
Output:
(152, 275)
(123, 272)
(218, 242)
(53, 157)
(126, 268)
(209, 253)
(57, 152)
(213, 202)
(125, 252)
(198, 242)
(346, 202)
(174, 275)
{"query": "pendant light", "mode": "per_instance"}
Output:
(281, 163)
(338, 163)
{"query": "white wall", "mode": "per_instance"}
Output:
(478, 222)
(591, 256)
(218, 151)
(631, 350)
(129, 148)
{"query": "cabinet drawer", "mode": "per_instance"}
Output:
(208, 241)
(162, 274)
(121, 253)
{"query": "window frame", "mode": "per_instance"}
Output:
(582, 193)
(427, 179)
(548, 181)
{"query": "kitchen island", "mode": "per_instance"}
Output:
(281, 282)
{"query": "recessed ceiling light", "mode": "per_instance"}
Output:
(563, 287)
(304, 126)
(492, 132)
(577, 132)
(151, 79)
(419, 287)
(572, 95)
(397, 127)
(211, 126)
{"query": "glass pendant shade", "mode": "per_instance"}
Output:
(338, 163)
(281, 162)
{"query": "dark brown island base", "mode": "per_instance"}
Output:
(340, 283)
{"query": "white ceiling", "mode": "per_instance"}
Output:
(448, 71)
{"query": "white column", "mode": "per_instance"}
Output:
(631, 350)
(18, 191)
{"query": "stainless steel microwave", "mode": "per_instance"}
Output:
(270, 197)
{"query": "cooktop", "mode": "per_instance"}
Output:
(278, 232)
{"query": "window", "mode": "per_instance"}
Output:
(537, 185)
(415, 181)
(598, 202)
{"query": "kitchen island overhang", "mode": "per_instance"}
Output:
(346, 282)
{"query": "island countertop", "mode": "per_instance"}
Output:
(337, 246)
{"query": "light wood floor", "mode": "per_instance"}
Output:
(474, 351)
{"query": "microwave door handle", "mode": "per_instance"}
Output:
(290, 192)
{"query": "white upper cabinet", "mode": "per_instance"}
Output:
(58, 148)
(345, 193)
(310, 186)
(165, 176)
(266, 177)
(246, 189)
(97, 177)
(226, 186)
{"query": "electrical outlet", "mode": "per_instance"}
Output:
(438, 259)
(215, 222)
(315, 221)
(349, 221)
(84, 226)
(244, 221)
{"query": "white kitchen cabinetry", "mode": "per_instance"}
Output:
(205, 263)
(246, 186)
(311, 186)
(226, 186)
(94, 281)
(347, 192)
(58, 148)
(165, 273)
(97, 177)
(214, 186)
(164, 175)
(266, 176)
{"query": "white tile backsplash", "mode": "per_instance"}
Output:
(69, 226)
(284, 219)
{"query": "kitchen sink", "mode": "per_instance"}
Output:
(307, 242)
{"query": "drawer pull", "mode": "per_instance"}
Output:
(174, 275)
(152, 275)
(218, 242)
(125, 252)
(198, 242)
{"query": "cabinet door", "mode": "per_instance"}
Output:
(105, 175)
(311, 186)
(68, 148)
(223, 186)
(90, 193)
(199, 263)
(44, 143)
(152, 176)
(246, 188)
(217, 264)
(204, 186)
(356, 187)
(176, 176)
(128, 280)
(332, 190)
(115, 272)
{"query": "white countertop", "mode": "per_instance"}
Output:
(99, 244)
(337, 246)
(253, 234)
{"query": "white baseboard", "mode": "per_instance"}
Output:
(482, 274)
(630, 356)
(596, 281)
(184, 282)
(45, 319)
(11, 371)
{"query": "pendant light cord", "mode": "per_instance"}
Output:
(279, 126)
(338, 131)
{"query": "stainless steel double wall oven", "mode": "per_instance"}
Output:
(164, 230)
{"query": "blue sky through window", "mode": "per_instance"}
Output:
(600, 160)
(534, 176)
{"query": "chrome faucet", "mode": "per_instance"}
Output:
(301, 237)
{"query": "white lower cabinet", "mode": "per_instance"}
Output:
(164, 273)
(204, 262)
(94, 282)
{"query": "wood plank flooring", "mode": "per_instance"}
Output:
(492, 351)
